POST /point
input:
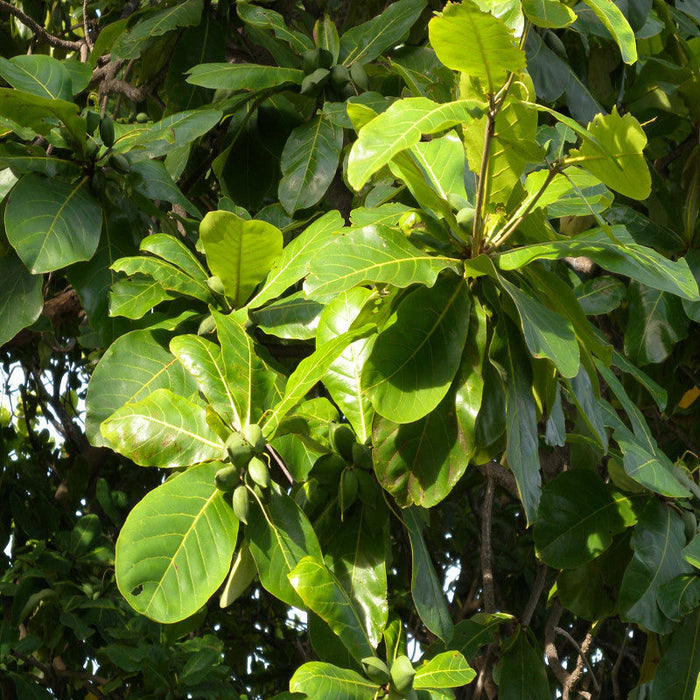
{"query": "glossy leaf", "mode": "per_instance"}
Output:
(372, 254)
(473, 41)
(677, 672)
(344, 377)
(402, 376)
(279, 539)
(322, 593)
(401, 127)
(573, 193)
(577, 518)
(135, 365)
(548, 13)
(175, 548)
(176, 252)
(18, 283)
(523, 673)
(38, 74)
(309, 161)
(151, 179)
(162, 430)
(616, 23)
(293, 317)
(134, 297)
(242, 76)
(263, 18)
(64, 225)
(447, 670)
(239, 252)
(442, 159)
(425, 587)
(657, 542)
(321, 680)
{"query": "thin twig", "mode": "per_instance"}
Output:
(537, 588)
(582, 659)
(564, 633)
(550, 648)
(486, 549)
(86, 26)
(618, 662)
(280, 463)
(38, 30)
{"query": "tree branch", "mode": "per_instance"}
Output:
(486, 549)
(38, 30)
(537, 588)
(573, 677)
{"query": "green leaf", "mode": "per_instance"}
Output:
(523, 673)
(548, 13)
(586, 399)
(322, 593)
(522, 448)
(616, 23)
(369, 40)
(175, 548)
(467, 39)
(657, 392)
(176, 252)
(326, 36)
(136, 296)
(473, 634)
(401, 127)
(239, 252)
(309, 161)
(691, 553)
(251, 384)
(547, 333)
(425, 587)
(447, 670)
(18, 284)
(295, 260)
(162, 430)
(262, 18)
(151, 179)
(344, 377)
(601, 295)
(131, 43)
(24, 158)
(577, 518)
(576, 193)
(443, 162)
(279, 538)
(657, 542)
(372, 254)
(38, 74)
(655, 323)
(242, 76)
(622, 256)
(321, 680)
(680, 596)
(677, 672)
(310, 370)
(356, 553)
(613, 152)
(64, 225)
(292, 317)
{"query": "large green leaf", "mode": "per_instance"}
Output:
(25, 158)
(294, 262)
(176, 252)
(135, 365)
(136, 296)
(577, 518)
(657, 542)
(447, 670)
(51, 223)
(242, 76)
(613, 152)
(426, 589)
(356, 554)
(616, 23)
(548, 13)
(293, 317)
(523, 673)
(151, 179)
(467, 39)
(262, 18)
(372, 254)
(162, 430)
(414, 360)
(309, 161)
(680, 596)
(131, 43)
(677, 673)
(367, 41)
(601, 295)
(175, 548)
(323, 594)
(443, 162)
(239, 252)
(655, 323)
(622, 256)
(321, 680)
(279, 539)
(344, 377)
(18, 284)
(401, 127)
(38, 74)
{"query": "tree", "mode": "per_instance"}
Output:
(387, 319)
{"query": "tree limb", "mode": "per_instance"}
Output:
(38, 30)
(486, 549)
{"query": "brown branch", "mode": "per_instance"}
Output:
(38, 30)
(574, 676)
(486, 548)
(537, 588)
(550, 649)
(618, 662)
(501, 475)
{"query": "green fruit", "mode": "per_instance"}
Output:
(91, 148)
(241, 503)
(310, 61)
(227, 477)
(362, 456)
(402, 673)
(216, 286)
(142, 117)
(107, 131)
(312, 84)
(208, 325)
(93, 121)
(342, 439)
(348, 489)
(119, 163)
(465, 217)
(239, 451)
(340, 77)
(359, 76)
(556, 44)
(376, 670)
(259, 472)
(327, 470)
(254, 435)
(367, 488)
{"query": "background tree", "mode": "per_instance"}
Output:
(389, 314)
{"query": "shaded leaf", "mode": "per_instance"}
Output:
(18, 283)
(242, 76)
(523, 673)
(679, 596)
(601, 295)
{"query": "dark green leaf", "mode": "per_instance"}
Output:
(616, 23)
(18, 283)
(601, 295)
(680, 596)
(523, 673)
(38, 74)
(242, 76)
